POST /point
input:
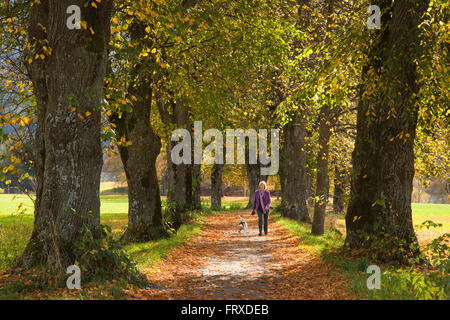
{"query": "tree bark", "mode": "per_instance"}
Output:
(339, 187)
(180, 175)
(322, 183)
(216, 186)
(145, 221)
(196, 181)
(379, 212)
(293, 169)
(68, 89)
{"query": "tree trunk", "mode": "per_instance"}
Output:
(165, 180)
(145, 221)
(322, 185)
(309, 190)
(196, 181)
(379, 212)
(339, 187)
(216, 187)
(293, 169)
(254, 177)
(68, 88)
(180, 175)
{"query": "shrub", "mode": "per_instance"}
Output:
(104, 259)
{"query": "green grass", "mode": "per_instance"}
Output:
(396, 283)
(151, 253)
(16, 224)
(439, 213)
(307, 241)
(10, 203)
(435, 212)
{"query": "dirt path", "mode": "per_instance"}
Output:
(220, 263)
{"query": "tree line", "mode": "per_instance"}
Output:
(136, 70)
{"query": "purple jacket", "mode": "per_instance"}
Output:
(266, 199)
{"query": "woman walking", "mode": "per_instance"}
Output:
(261, 205)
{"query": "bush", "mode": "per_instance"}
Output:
(103, 258)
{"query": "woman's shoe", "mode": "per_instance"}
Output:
(260, 234)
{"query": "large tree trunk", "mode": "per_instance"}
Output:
(68, 89)
(216, 186)
(322, 183)
(293, 169)
(145, 220)
(144, 203)
(254, 177)
(379, 212)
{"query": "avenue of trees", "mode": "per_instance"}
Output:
(363, 109)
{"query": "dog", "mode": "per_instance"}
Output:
(243, 225)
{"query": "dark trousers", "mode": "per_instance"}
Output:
(262, 216)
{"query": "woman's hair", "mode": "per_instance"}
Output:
(264, 183)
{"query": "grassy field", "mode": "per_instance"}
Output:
(16, 224)
(13, 204)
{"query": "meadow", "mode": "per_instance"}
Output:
(16, 220)
(16, 223)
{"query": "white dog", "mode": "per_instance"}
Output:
(243, 225)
